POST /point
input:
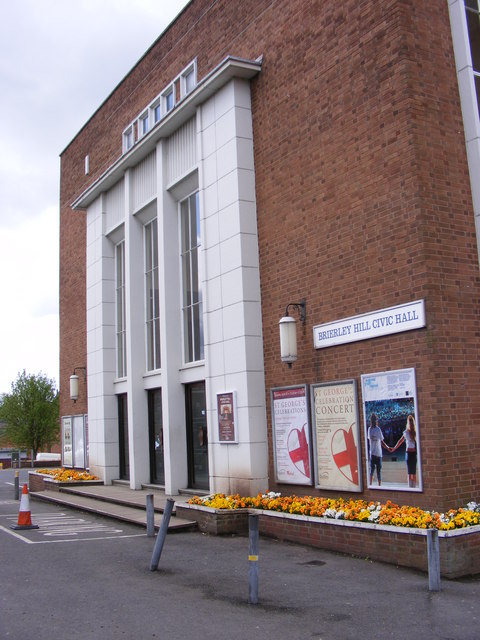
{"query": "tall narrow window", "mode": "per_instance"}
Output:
(120, 310)
(191, 290)
(473, 22)
(152, 306)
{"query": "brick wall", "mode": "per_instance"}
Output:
(405, 547)
(362, 192)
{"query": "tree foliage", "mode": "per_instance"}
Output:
(31, 413)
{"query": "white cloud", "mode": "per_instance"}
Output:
(59, 59)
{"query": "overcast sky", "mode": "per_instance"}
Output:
(59, 59)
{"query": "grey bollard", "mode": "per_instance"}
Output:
(253, 560)
(16, 485)
(433, 551)
(157, 550)
(150, 516)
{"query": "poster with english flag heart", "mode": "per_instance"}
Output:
(336, 430)
(291, 435)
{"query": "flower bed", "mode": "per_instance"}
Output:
(55, 478)
(354, 510)
(68, 475)
(387, 533)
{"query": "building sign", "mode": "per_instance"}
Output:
(291, 435)
(404, 317)
(226, 412)
(336, 432)
(392, 430)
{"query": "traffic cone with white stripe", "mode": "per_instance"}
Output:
(24, 515)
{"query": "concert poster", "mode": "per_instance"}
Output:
(336, 432)
(291, 435)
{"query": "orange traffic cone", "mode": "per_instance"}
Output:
(24, 516)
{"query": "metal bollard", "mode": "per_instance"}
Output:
(157, 550)
(150, 516)
(433, 551)
(16, 485)
(253, 559)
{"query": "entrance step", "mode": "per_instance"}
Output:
(114, 502)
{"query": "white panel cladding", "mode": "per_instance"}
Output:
(102, 408)
(115, 206)
(231, 283)
(181, 152)
(144, 181)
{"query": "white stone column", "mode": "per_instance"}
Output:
(135, 347)
(102, 405)
(232, 313)
(173, 396)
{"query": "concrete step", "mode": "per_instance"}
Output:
(131, 512)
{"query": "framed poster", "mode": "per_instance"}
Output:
(392, 434)
(226, 415)
(67, 442)
(336, 432)
(291, 435)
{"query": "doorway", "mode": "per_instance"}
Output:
(197, 443)
(155, 427)
(123, 437)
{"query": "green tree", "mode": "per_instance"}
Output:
(31, 413)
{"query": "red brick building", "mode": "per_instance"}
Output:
(259, 154)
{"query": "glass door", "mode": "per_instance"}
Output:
(155, 425)
(197, 444)
(123, 437)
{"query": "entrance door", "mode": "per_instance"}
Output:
(123, 437)
(197, 445)
(155, 426)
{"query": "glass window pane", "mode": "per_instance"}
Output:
(189, 80)
(473, 23)
(154, 226)
(477, 87)
(195, 283)
(187, 330)
(148, 247)
(185, 226)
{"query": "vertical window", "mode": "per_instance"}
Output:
(157, 112)
(152, 306)
(188, 79)
(169, 100)
(143, 125)
(128, 138)
(473, 22)
(120, 310)
(191, 290)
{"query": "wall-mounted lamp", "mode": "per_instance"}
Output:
(74, 383)
(288, 331)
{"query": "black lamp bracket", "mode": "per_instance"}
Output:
(80, 368)
(301, 307)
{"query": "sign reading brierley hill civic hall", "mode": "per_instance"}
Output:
(404, 317)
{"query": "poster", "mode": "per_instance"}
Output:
(67, 442)
(336, 433)
(291, 435)
(391, 423)
(226, 413)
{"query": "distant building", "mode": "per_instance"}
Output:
(259, 156)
